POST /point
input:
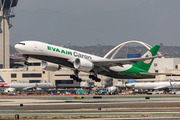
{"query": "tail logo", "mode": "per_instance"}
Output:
(147, 54)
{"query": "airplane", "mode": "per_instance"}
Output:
(3, 84)
(54, 57)
(25, 86)
(152, 85)
(30, 86)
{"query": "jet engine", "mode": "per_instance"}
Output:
(49, 66)
(83, 64)
(9, 90)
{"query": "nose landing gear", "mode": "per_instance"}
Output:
(26, 62)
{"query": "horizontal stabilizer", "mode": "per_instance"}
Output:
(115, 62)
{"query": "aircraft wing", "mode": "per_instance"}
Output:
(120, 62)
(160, 87)
(28, 88)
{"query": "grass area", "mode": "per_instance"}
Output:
(5, 101)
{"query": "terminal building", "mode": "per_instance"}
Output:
(62, 80)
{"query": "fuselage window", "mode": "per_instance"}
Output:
(22, 43)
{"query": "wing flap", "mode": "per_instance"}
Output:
(160, 87)
(28, 88)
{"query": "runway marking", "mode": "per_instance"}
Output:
(96, 113)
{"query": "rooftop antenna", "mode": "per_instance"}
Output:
(97, 42)
(69, 43)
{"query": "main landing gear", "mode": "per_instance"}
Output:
(75, 77)
(26, 62)
(94, 77)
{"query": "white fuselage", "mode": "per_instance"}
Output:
(81, 61)
(154, 85)
(39, 50)
(23, 86)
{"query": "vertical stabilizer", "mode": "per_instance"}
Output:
(1, 80)
(145, 65)
(131, 81)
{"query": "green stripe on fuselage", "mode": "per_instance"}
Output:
(135, 72)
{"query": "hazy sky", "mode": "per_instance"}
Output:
(85, 22)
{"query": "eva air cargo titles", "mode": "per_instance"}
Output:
(54, 57)
(76, 54)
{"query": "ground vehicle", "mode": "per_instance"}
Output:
(102, 92)
(109, 90)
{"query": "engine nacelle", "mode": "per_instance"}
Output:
(9, 90)
(83, 64)
(38, 88)
(49, 66)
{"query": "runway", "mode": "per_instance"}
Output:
(115, 106)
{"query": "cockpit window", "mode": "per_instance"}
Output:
(22, 43)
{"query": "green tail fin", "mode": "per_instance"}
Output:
(145, 65)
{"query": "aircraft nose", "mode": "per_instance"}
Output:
(19, 47)
(16, 46)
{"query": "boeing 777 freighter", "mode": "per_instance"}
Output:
(54, 57)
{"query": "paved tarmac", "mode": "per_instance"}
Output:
(115, 106)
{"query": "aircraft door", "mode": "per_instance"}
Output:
(35, 47)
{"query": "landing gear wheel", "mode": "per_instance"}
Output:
(75, 77)
(91, 76)
(98, 80)
(26, 62)
(72, 76)
(79, 80)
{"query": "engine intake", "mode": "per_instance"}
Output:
(83, 64)
(49, 66)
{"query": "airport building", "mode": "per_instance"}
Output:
(34, 73)
(166, 65)
(159, 65)
(61, 78)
